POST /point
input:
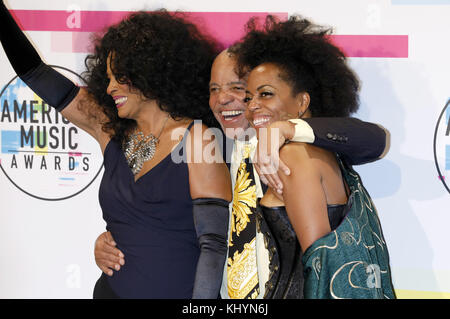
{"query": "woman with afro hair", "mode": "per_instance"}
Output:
(323, 233)
(147, 81)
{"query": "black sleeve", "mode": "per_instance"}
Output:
(55, 89)
(357, 142)
(211, 217)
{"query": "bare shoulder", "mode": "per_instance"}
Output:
(208, 173)
(304, 152)
(306, 160)
(292, 153)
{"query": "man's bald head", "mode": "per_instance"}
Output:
(227, 93)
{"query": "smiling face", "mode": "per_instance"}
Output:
(227, 93)
(128, 100)
(269, 98)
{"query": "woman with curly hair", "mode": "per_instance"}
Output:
(146, 82)
(323, 232)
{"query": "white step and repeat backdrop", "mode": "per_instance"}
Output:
(400, 49)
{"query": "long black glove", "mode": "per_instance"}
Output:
(55, 89)
(211, 217)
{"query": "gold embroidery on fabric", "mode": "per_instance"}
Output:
(354, 264)
(242, 272)
(244, 198)
(254, 294)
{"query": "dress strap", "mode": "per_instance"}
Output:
(180, 148)
(344, 174)
(187, 132)
(189, 127)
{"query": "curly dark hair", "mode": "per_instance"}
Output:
(309, 62)
(162, 55)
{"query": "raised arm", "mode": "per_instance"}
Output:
(56, 90)
(210, 188)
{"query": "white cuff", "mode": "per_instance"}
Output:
(303, 132)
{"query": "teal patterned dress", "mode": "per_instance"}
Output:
(352, 261)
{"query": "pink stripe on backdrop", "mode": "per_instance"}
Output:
(52, 20)
(372, 46)
(226, 27)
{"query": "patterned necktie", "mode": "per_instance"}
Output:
(242, 274)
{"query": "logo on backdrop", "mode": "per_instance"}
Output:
(42, 153)
(441, 146)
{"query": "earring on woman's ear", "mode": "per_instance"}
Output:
(300, 114)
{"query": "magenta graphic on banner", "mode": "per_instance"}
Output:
(226, 27)
(42, 154)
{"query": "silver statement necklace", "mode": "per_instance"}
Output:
(139, 148)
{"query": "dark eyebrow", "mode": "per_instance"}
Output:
(261, 86)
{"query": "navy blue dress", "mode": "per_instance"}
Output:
(151, 221)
